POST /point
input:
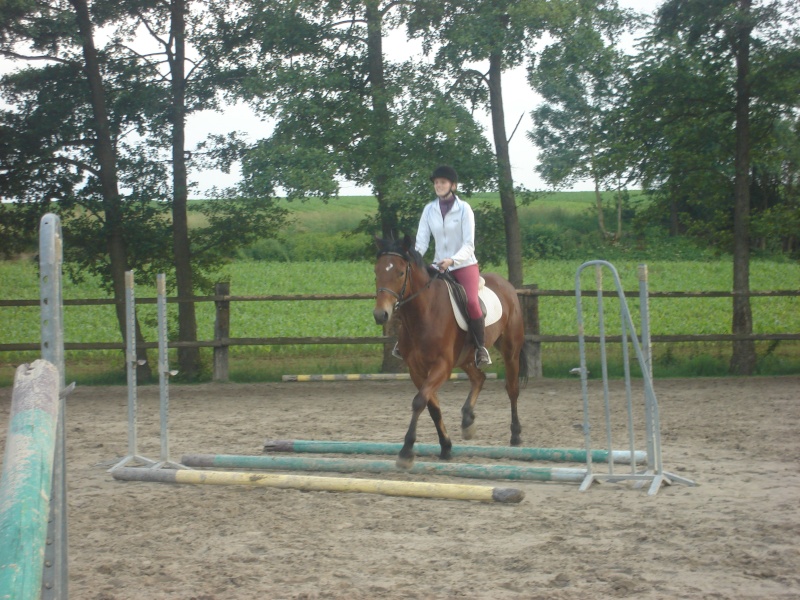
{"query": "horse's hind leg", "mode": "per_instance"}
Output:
(476, 379)
(511, 360)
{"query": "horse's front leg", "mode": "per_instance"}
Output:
(435, 410)
(426, 396)
(476, 379)
(406, 457)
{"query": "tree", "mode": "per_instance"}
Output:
(582, 77)
(498, 34)
(168, 81)
(47, 154)
(56, 169)
(343, 111)
(730, 47)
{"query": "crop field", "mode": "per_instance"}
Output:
(354, 317)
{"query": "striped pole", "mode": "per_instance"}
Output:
(27, 479)
(415, 489)
(369, 377)
(505, 452)
(356, 465)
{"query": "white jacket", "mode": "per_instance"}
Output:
(454, 236)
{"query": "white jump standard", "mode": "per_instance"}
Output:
(654, 473)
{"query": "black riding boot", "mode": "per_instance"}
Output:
(478, 329)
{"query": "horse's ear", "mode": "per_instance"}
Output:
(379, 243)
(408, 243)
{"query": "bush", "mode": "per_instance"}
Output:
(305, 247)
(272, 249)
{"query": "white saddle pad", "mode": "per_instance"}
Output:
(494, 310)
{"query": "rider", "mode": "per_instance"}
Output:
(451, 222)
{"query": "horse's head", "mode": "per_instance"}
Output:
(397, 264)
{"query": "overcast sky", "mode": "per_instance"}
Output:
(518, 99)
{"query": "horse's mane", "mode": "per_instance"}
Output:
(404, 248)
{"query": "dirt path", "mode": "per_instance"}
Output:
(737, 535)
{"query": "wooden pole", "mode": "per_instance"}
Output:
(27, 479)
(360, 465)
(416, 489)
(505, 452)
(530, 316)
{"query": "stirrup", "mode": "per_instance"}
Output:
(482, 357)
(396, 352)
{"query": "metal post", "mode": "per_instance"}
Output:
(131, 363)
(655, 473)
(644, 310)
(55, 573)
(598, 274)
(163, 373)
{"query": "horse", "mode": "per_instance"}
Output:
(432, 344)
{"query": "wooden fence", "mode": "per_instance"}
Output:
(529, 298)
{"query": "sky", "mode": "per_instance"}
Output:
(518, 100)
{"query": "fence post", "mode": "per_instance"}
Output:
(222, 330)
(530, 316)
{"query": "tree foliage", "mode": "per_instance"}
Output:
(496, 35)
(580, 128)
(342, 111)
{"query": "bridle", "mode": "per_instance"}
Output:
(400, 300)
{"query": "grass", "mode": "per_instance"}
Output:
(677, 267)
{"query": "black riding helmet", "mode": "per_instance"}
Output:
(445, 172)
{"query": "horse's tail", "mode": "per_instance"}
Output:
(523, 365)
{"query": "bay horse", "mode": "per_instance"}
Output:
(432, 344)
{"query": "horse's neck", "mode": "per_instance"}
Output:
(422, 305)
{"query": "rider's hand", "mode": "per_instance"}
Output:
(445, 264)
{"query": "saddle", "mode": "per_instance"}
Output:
(490, 303)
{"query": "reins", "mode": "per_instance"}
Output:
(400, 300)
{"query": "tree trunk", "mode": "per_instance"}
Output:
(674, 221)
(380, 160)
(106, 158)
(188, 358)
(598, 200)
(743, 360)
(380, 125)
(506, 181)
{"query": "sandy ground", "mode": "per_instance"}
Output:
(736, 535)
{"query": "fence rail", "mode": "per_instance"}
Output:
(313, 297)
(529, 297)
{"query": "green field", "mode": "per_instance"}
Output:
(668, 271)
(354, 317)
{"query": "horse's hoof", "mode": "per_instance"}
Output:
(404, 463)
(516, 440)
(467, 433)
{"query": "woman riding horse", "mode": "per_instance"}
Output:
(432, 343)
(451, 223)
